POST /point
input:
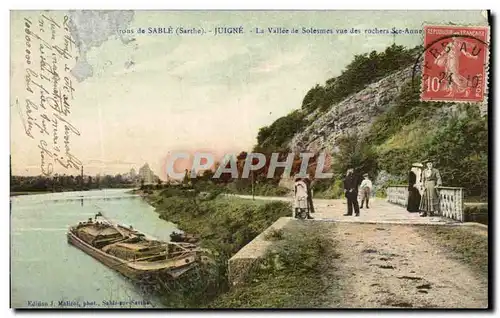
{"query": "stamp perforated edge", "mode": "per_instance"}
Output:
(486, 67)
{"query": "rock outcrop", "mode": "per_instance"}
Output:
(355, 114)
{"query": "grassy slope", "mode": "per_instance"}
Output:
(410, 136)
(224, 224)
(467, 244)
(293, 275)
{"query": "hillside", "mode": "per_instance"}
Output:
(371, 116)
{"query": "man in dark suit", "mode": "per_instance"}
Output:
(351, 192)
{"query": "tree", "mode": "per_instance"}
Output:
(355, 152)
(276, 136)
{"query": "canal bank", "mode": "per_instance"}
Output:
(284, 274)
(225, 225)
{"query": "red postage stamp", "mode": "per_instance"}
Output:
(455, 63)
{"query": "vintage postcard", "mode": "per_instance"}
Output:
(249, 159)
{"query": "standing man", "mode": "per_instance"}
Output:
(366, 188)
(351, 192)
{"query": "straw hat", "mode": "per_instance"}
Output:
(417, 164)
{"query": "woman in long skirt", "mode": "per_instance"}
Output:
(414, 186)
(310, 204)
(431, 179)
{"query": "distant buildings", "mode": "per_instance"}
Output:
(132, 174)
(146, 174)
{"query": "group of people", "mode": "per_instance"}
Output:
(303, 194)
(422, 191)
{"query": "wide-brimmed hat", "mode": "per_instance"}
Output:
(428, 160)
(417, 164)
(365, 175)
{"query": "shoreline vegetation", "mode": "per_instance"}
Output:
(225, 225)
(18, 193)
(20, 185)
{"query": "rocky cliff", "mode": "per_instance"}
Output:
(356, 113)
(392, 127)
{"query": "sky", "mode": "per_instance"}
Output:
(143, 96)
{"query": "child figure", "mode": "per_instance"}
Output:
(366, 188)
(300, 201)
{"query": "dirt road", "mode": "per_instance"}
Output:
(390, 261)
(395, 266)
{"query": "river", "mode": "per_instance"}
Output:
(46, 271)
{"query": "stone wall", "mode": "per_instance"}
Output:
(243, 261)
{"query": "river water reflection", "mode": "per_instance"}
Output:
(47, 271)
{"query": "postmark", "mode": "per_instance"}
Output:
(455, 63)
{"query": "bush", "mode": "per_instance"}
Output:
(409, 131)
(224, 226)
(457, 144)
(476, 213)
(276, 136)
(333, 190)
(363, 70)
(354, 151)
(461, 152)
(295, 274)
(274, 235)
